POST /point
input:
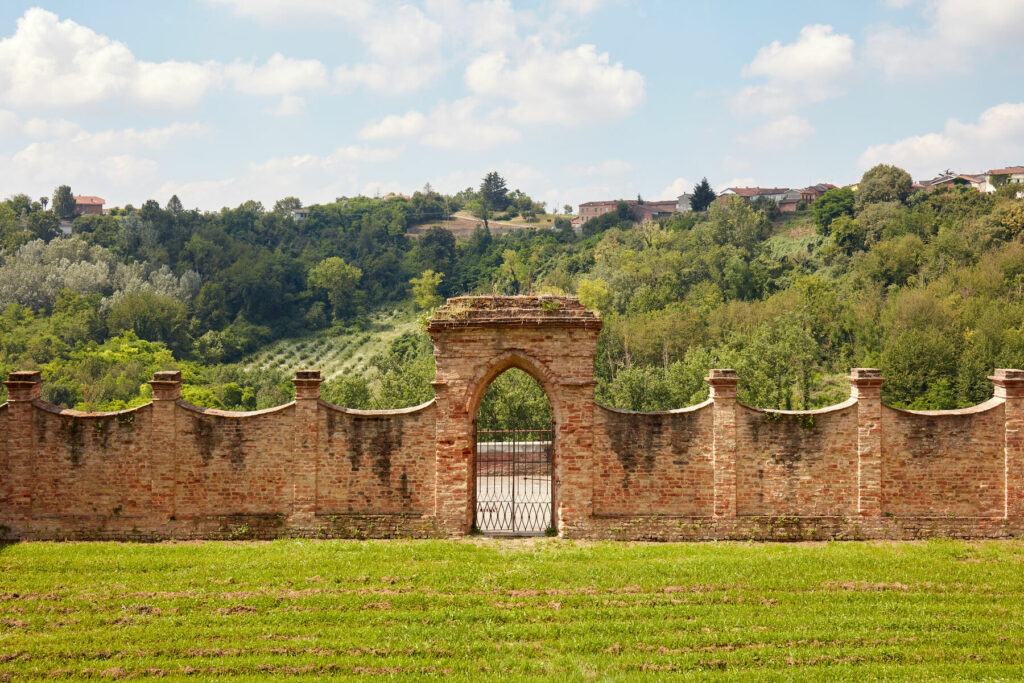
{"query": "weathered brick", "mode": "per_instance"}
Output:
(718, 470)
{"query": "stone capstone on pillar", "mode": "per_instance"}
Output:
(305, 446)
(24, 385)
(866, 388)
(723, 392)
(1009, 386)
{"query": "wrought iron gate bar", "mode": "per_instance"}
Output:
(514, 481)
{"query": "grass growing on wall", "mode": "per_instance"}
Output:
(484, 609)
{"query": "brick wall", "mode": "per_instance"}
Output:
(657, 462)
(944, 462)
(719, 470)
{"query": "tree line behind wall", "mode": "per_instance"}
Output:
(926, 286)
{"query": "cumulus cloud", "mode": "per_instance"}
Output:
(996, 139)
(677, 187)
(312, 177)
(582, 7)
(780, 133)
(957, 31)
(450, 125)
(298, 11)
(48, 62)
(567, 87)
(114, 160)
(278, 75)
(52, 63)
(290, 105)
(808, 70)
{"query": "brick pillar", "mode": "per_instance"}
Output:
(866, 387)
(306, 447)
(22, 389)
(164, 443)
(574, 456)
(1009, 386)
(453, 491)
(723, 393)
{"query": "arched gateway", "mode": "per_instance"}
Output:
(553, 339)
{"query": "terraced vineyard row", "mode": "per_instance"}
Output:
(332, 354)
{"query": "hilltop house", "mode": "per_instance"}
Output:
(683, 203)
(949, 179)
(751, 193)
(86, 205)
(812, 192)
(997, 177)
(642, 212)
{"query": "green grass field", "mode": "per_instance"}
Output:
(485, 609)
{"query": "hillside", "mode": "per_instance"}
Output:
(334, 354)
(926, 286)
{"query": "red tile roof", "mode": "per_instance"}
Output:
(88, 199)
(1006, 171)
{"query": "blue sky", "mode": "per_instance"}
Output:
(220, 101)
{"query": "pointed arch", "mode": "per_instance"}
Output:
(519, 359)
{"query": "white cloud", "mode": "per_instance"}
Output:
(290, 105)
(395, 126)
(177, 84)
(996, 139)
(610, 167)
(567, 87)
(9, 124)
(484, 25)
(52, 63)
(956, 31)
(298, 11)
(48, 62)
(278, 76)
(118, 161)
(311, 177)
(677, 187)
(450, 125)
(582, 7)
(808, 70)
(392, 79)
(405, 46)
(782, 133)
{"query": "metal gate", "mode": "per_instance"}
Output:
(514, 481)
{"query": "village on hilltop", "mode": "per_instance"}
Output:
(789, 199)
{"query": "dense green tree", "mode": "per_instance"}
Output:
(424, 290)
(883, 183)
(64, 203)
(174, 205)
(153, 317)
(287, 204)
(703, 196)
(494, 192)
(340, 281)
(830, 206)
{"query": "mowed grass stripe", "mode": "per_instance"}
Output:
(514, 608)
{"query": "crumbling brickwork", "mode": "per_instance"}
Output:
(719, 470)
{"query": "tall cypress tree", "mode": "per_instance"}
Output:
(64, 203)
(703, 195)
